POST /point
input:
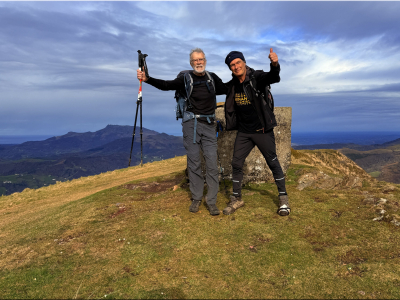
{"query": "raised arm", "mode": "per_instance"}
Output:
(273, 75)
(164, 85)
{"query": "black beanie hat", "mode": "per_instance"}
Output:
(233, 55)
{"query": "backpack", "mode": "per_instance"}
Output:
(183, 96)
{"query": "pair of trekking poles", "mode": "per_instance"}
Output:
(143, 66)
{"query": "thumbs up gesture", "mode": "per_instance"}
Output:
(273, 57)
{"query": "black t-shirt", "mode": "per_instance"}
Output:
(248, 120)
(202, 100)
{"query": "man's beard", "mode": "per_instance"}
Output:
(203, 68)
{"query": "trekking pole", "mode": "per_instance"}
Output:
(219, 126)
(143, 67)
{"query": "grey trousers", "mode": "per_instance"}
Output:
(206, 140)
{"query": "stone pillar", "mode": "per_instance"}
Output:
(255, 168)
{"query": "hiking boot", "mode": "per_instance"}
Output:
(213, 209)
(284, 209)
(194, 207)
(233, 205)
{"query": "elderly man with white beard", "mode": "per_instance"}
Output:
(198, 127)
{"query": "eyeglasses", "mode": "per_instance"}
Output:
(198, 60)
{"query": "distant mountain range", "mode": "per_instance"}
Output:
(73, 155)
(73, 142)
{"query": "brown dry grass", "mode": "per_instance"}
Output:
(30, 204)
(330, 161)
(137, 239)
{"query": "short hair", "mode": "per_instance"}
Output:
(198, 50)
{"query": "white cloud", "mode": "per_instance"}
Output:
(171, 10)
(318, 66)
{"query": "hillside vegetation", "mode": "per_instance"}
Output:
(383, 164)
(128, 234)
(381, 161)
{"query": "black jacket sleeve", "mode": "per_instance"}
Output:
(167, 85)
(220, 87)
(266, 78)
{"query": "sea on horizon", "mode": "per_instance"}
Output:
(360, 137)
(19, 139)
(298, 138)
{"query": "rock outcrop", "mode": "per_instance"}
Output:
(255, 168)
(331, 170)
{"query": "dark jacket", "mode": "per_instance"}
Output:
(264, 112)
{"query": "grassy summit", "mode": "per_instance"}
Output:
(129, 234)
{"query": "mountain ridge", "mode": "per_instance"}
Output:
(73, 155)
(71, 142)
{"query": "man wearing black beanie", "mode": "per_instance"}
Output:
(249, 111)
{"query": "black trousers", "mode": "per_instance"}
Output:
(265, 142)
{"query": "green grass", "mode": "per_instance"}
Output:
(143, 243)
(375, 174)
(25, 181)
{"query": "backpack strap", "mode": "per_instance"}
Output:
(267, 96)
(210, 80)
(189, 83)
(188, 87)
(253, 84)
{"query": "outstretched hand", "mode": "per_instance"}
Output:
(273, 57)
(141, 75)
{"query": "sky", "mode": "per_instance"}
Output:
(71, 66)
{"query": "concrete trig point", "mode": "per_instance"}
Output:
(255, 168)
